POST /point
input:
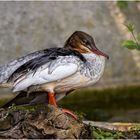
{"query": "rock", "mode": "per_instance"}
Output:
(40, 121)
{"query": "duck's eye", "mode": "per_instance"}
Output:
(85, 42)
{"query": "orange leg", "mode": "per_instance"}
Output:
(52, 101)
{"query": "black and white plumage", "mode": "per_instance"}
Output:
(57, 70)
(8, 69)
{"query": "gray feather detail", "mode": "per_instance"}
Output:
(94, 66)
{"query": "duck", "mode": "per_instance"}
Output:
(57, 71)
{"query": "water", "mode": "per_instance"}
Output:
(113, 104)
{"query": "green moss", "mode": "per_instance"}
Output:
(29, 108)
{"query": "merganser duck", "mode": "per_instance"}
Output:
(57, 71)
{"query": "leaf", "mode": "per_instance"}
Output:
(130, 44)
(138, 36)
(130, 27)
(122, 4)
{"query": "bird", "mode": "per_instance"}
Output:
(57, 71)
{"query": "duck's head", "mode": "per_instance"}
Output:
(83, 43)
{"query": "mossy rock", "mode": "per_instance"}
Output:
(40, 121)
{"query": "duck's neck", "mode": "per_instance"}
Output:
(95, 65)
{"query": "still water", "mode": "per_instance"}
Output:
(113, 104)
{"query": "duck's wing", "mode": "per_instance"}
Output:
(42, 76)
(50, 67)
(7, 69)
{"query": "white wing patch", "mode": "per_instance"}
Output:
(43, 76)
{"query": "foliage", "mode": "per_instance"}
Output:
(135, 43)
(135, 128)
(102, 134)
(130, 44)
(122, 4)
